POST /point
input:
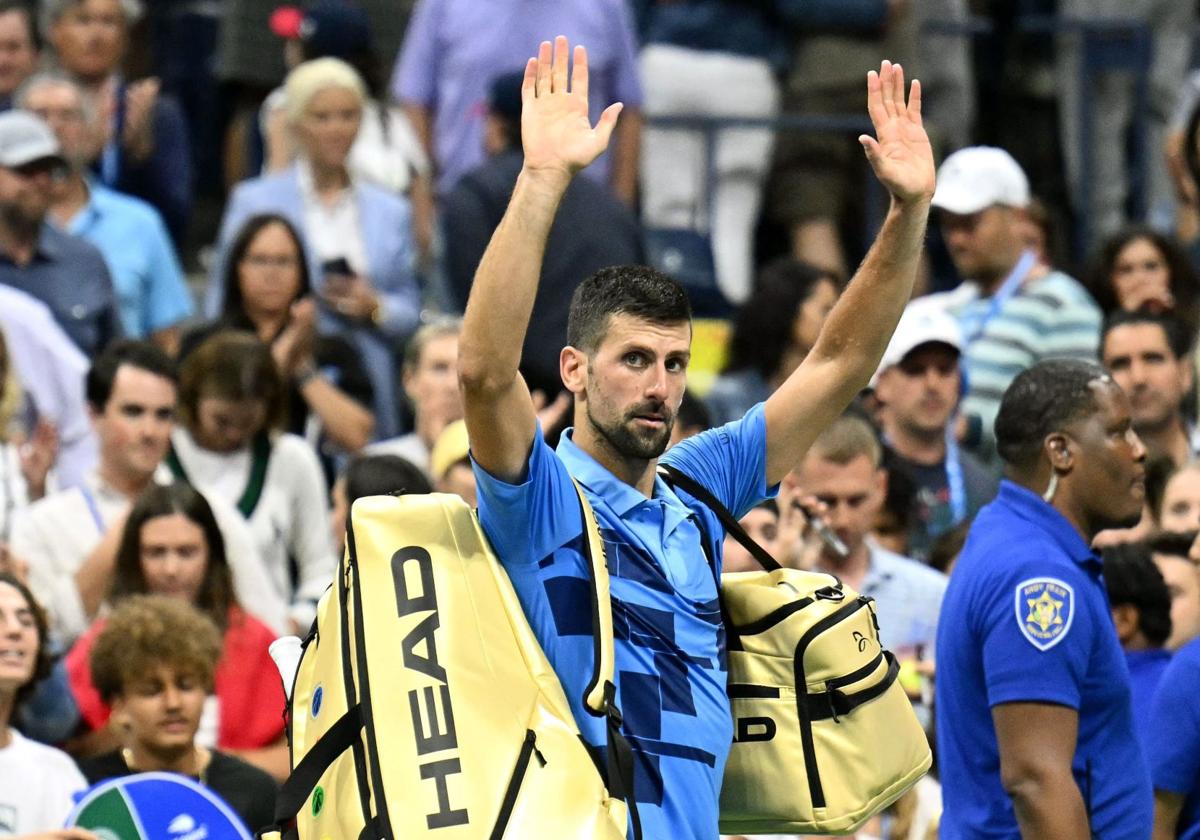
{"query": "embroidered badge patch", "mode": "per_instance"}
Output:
(1045, 608)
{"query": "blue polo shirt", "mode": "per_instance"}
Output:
(1146, 669)
(71, 278)
(1174, 740)
(151, 292)
(1026, 619)
(669, 640)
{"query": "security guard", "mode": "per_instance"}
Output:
(1034, 721)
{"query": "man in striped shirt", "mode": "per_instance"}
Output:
(1013, 310)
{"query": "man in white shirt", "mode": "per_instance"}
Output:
(70, 538)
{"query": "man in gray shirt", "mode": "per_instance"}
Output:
(62, 271)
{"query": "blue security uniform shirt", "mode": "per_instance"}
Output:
(1146, 668)
(669, 640)
(1174, 743)
(1026, 619)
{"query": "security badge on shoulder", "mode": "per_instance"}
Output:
(1045, 608)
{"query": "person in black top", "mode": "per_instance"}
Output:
(268, 292)
(154, 664)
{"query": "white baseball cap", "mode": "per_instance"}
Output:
(923, 322)
(977, 177)
(25, 139)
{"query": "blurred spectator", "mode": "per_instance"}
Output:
(267, 290)
(171, 546)
(1179, 509)
(155, 660)
(70, 538)
(1170, 553)
(1139, 268)
(450, 463)
(772, 333)
(359, 236)
(232, 401)
(918, 387)
(1141, 611)
(152, 295)
(19, 47)
(64, 272)
(843, 471)
(25, 459)
(142, 144)
(1170, 26)
(451, 53)
(37, 783)
(431, 383)
(386, 151)
(370, 475)
(50, 370)
(817, 177)
(691, 419)
(762, 524)
(1013, 313)
(592, 230)
(712, 58)
(1149, 357)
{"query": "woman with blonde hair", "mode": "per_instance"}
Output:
(358, 236)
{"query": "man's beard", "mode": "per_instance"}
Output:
(626, 442)
(21, 222)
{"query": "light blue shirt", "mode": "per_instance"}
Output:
(151, 292)
(908, 599)
(669, 640)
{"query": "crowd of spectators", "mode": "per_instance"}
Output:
(237, 239)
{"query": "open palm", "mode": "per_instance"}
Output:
(900, 152)
(556, 132)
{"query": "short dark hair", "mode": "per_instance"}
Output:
(234, 308)
(381, 475)
(1132, 578)
(1178, 336)
(142, 355)
(636, 290)
(44, 661)
(693, 413)
(216, 592)
(24, 8)
(1172, 543)
(1043, 399)
(762, 327)
(233, 365)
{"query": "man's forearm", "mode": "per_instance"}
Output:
(1050, 807)
(862, 322)
(505, 285)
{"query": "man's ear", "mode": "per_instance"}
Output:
(1058, 449)
(1187, 376)
(881, 485)
(573, 368)
(1125, 618)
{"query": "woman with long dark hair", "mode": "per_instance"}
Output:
(268, 291)
(1139, 268)
(171, 545)
(772, 333)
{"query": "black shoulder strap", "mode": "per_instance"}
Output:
(694, 488)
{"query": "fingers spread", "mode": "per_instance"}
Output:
(898, 87)
(887, 87)
(562, 56)
(914, 102)
(875, 98)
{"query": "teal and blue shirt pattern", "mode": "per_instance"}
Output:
(669, 640)
(1026, 620)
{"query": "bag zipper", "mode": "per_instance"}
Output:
(816, 792)
(528, 750)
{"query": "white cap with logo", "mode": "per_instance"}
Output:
(923, 322)
(977, 177)
(25, 139)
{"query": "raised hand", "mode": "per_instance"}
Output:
(556, 131)
(900, 152)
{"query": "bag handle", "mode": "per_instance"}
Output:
(600, 695)
(734, 528)
(303, 779)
